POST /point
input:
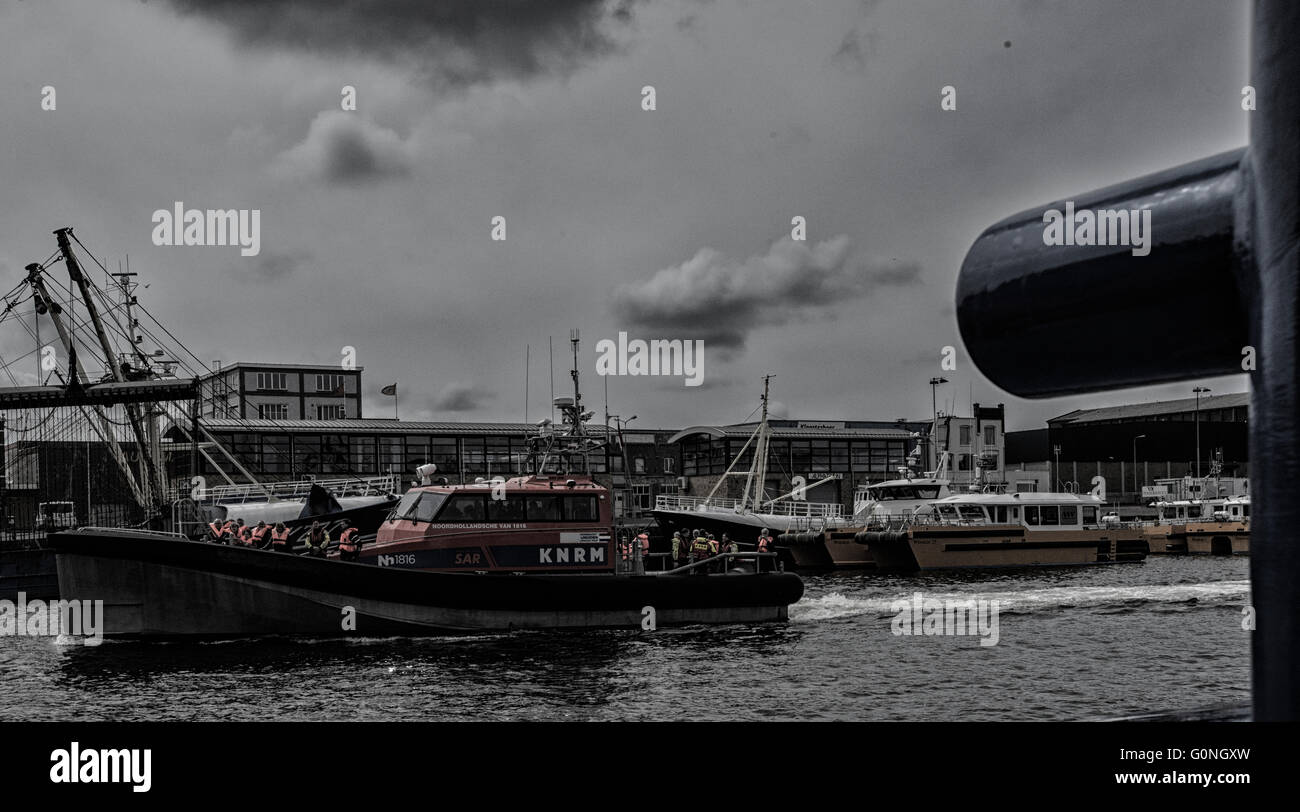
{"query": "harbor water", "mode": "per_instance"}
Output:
(1076, 643)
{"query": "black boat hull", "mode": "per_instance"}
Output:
(160, 586)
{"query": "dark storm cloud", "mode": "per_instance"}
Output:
(720, 300)
(451, 42)
(460, 397)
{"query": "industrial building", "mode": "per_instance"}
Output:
(1135, 446)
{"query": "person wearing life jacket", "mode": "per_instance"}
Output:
(678, 548)
(349, 543)
(240, 534)
(700, 549)
(280, 539)
(764, 545)
(713, 551)
(218, 532)
(317, 538)
(643, 541)
(259, 537)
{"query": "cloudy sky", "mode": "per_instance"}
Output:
(673, 223)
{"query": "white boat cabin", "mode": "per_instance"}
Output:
(1036, 511)
(1231, 509)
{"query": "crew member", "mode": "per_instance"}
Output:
(218, 532)
(241, 533)
(349, 543)
(280, 539)
(317, 538)
(678, 546)
(713, 550)
(643, 540)
(259, 537)
(764, 546)
(700, 550)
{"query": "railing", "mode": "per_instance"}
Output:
(722, 558)
(354, 486)
(695, 504)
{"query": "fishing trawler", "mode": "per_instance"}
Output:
(533, 552)
(745, 518)
(874, 506)
(131, 413)
(981, 530)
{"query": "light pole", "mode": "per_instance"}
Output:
(1137, 489)
(934, 416)
(1199, 391)
(1056, 452)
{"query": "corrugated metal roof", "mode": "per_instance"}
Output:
(368, 425)
(788, 433)
(1159, 407)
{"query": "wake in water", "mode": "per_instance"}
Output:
(835, 605)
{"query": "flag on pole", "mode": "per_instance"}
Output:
(391, 389)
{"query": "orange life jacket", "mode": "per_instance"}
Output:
(244, 534)
(218, 530)
(763, 541)
(280, 538)
(346, 543)
(259, 534)
(645, 543)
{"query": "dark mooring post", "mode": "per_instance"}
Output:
(1217, 292)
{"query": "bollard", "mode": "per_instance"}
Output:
(1223, 273)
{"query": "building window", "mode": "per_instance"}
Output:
(669, 463)
(963, 433)
(638, 465)
(329, 383)
(334, 411)
(277, 381)
(963, 462)
(641, 497)
(990, 435)
(362, 451)
(273, 411)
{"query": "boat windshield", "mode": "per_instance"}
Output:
(419, 506)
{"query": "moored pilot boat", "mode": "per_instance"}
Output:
(1217, 526)
(979, 530)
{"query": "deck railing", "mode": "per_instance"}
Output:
(788, 507)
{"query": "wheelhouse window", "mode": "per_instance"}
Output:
(428, 506)
(464, 507)
(419, 506)
(1070, 515)
(1089, 514)
(581, 509)
(510, 509)
(1031, 516)
(543, 508)
(972, 513)
(1051, 514)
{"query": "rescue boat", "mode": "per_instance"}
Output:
(450, 559)
(538, 551)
